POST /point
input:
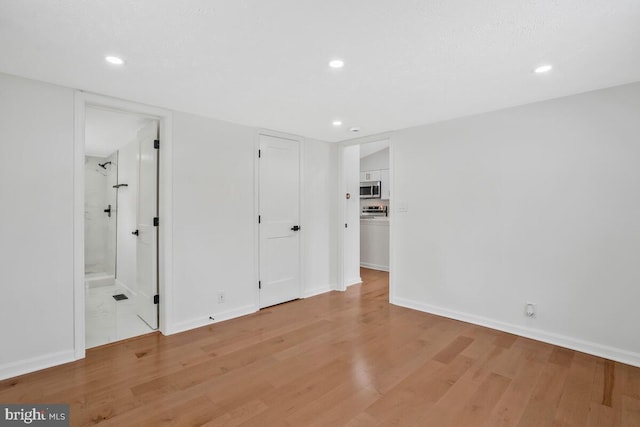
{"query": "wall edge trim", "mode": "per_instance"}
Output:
(308, 293)
(199, 322)
(352, 281)
(14, 369)
(374, 266)
(592, 348)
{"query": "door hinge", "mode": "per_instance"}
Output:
(156, 221)
(259, 153)
(259, 284)
(259, 219)
(156, 299)
(156, 144)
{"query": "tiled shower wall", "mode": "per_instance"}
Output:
(99, 228)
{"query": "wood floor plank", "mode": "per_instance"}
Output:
(239, 415)
(542, 406)
(630, 412)
(602, 416)
(444, 411)
(193, 412)
(631, 385)
(416, 394)
(337, 359)
(362, 420)
(336, 407)
(574, 405)
(453, 349)
(477, 410)
(295, 396)
(509, 409)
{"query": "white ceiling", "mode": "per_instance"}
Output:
(107, 131)
(264, 63)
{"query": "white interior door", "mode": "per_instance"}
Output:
(279, 202)
(147, 242)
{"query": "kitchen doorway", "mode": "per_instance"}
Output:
(375, 195)
(366, 209)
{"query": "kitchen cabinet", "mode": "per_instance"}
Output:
(381, 175)
(385, 193)
(374, 243)
(370, 176)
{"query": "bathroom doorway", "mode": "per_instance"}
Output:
(120, 242)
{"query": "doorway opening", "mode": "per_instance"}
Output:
(366, 241)
(120, 240)
(374, 205)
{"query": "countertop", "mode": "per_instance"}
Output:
(375, 219)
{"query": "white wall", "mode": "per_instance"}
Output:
(319, 222)
(213, 222)
(214, 219)
(539, 203)
(213, 243)
(127, 214)
(351, 234)
(36, 225)
(375, 161)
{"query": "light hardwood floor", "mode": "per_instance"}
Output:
(338, 359)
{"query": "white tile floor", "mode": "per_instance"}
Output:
(108, 320)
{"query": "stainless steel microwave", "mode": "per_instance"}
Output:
(370, 190)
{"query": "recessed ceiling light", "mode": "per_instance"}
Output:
(336, 123)
(114, 60)
(336, 63)
(354, 129)
(543, 69)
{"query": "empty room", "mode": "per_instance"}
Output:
(320, 213)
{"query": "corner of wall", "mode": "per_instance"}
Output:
(206, 321)
(22, 367)
(308, 293)
(617, 354)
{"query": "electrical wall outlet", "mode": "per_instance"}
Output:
(530, 310)
(221, 297)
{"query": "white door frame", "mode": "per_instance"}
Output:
(341, 285)
(164, 117)
(256, 207)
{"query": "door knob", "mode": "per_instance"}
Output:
(135, 233)
(295, 228)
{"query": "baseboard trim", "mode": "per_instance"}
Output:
(219, 317)
(607, 352)
(22, 367)
(353, 281)
(127, 288)
(316, 291)
(374, 266)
